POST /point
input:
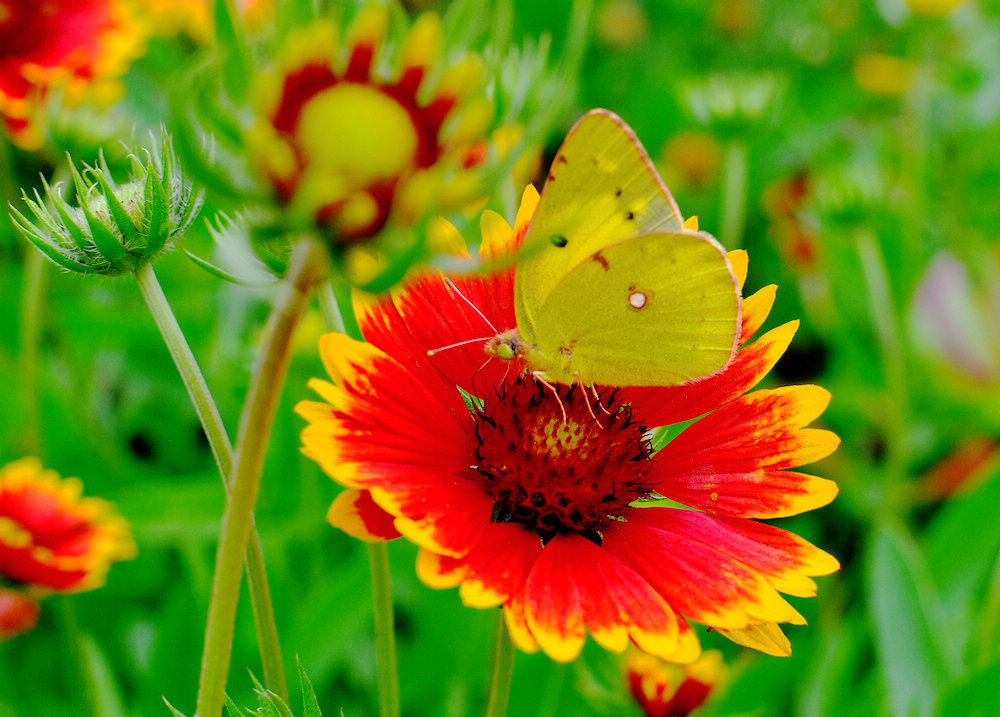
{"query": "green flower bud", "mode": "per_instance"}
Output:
(114, 228)
(734, 103)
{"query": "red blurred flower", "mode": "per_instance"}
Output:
(18, 613)
(562, 520)
(79, 46)
(51, 538)
(667, 689)
(352, 147)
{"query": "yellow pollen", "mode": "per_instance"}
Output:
(357, 131)
(714, 496)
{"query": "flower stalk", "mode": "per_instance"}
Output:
(218, 440)
(734, 193)
(306, 268)
(503, 671)
(378, 553)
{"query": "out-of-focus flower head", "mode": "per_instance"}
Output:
(518, 495)
(797, 241)
(78, 48)
(734, 103)
(52, 538)
(957, 322)
(621, 24)
(18, 613)
(359, 140)
(194, 17)
(883, 74)
(690, 158)
(734, 17)
(113, 229)
(668, 689)
(933, 7)
(973, 460)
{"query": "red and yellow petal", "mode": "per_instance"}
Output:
(784, 559)
(383, 417)
(430, 315)
(705, 583)
(355, 513)
(662, 406)
(575, 586)
(766, 637)
(732, 460)
(53, 538)
(444, 513)
(499, 565)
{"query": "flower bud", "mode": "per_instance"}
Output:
(114, 228)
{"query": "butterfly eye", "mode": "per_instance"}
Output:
(558, 240)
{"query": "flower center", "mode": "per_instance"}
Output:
(555, 474)
(358, 132)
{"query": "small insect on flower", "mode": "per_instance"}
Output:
(517, 496)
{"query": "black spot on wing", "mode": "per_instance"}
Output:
(558, 240)
(618, 193)
(629, 215)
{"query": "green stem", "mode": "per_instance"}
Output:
(989, 617)
(378, 553)
(385, 635)
(890, 345)
(307, 265)
(211, 422)
(735, 168)
(30, 310)
(503, 671)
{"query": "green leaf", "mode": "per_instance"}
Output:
(122, 220)
(173, 710)
(310, 705)
(232, 45)
(103, 693)
(965, 526)
(158, 210)
(104, 239)
(917, 656)
(975, 695)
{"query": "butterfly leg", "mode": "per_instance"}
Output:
(583, 388)
(597, 398)
(540, 377)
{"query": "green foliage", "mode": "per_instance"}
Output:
(909, 626)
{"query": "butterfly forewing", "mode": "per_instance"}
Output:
(602, 188)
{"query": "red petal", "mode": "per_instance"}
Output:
(664, 405)
(706, 583)
(730, 461)
(575, 584)
(356, 514)
(499, 564)
(429, 315)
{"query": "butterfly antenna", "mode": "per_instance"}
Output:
(475, 308)
(431, 352)
(538, 376)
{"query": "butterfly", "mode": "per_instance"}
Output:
(610, 288)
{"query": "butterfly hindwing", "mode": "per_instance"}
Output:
(654, 309)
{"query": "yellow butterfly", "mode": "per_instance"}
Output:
(610, 287)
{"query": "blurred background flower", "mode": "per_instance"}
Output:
(52, 538)
(78, 50)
